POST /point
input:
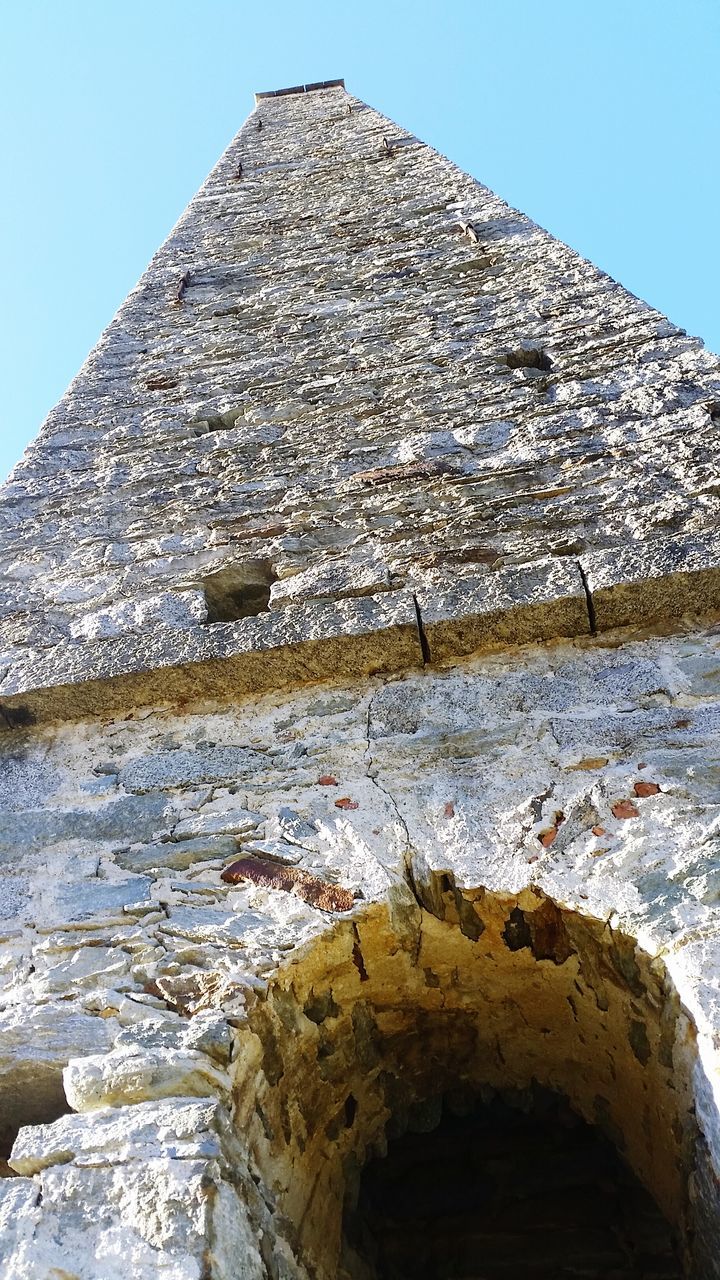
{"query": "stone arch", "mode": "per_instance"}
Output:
(466, 990)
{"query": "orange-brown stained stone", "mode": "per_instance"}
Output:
(625, 809)
(598, 831)
(590, 762)
(546, 837)
(327, 780)
(272, 875)
(449, 809)
(646, 789)
(346, 803)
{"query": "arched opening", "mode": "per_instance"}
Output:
(502, 1185)
(473, 995)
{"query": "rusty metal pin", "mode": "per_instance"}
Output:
(185, 281)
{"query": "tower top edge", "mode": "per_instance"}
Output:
(300, 88)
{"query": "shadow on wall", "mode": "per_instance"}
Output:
(469, 992)
(504, 1185)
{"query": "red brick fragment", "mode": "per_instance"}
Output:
(273, 875)
(625, 809)
(346, 803)
(449, 809)
(327, 780)
(546, 837)
(643, 789)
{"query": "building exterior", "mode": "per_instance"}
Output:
(360, 697)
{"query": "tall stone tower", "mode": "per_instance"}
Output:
(360, 764)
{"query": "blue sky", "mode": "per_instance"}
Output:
(599, 120)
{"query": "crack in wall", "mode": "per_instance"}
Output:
(422, 637)
(590, 603)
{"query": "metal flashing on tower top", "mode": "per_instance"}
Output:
(300, 88)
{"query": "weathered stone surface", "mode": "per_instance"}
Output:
(177, 855)
(177, 1130)
(36, 1042)
(124, 818)
(101, 1221)
(404, 448)
(19, 1216)
(236, 822)
(188, 768)
(439, 419)
(123, 1077)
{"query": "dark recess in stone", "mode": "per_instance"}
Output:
(216, 422)
(529, 358)
(238, 591)
(505, 1186)
(24, 1103)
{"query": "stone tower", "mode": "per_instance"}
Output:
(360, 764)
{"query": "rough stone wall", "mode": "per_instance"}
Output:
(327, 383)
(528, 840)
(360, 690)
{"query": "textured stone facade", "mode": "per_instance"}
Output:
(324, 381)
(362, 705)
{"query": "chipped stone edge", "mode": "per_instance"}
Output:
(649, 584)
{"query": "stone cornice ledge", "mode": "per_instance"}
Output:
(648, 584)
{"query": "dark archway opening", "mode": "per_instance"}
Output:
(504, 1186)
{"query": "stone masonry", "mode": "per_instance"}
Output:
(359, 719)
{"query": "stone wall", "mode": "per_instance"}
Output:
(500, 872)
(362, 390)
(359, 696)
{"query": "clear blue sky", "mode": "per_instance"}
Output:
(599, 118)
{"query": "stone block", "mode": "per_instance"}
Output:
(177, 855)
(85, 899)
(655, 581)
(36, 1043)
(122, 1077)
(317, 641)
(541, 601)
(173, 1129)
(126, 818)
(238, 822)
(167, 769)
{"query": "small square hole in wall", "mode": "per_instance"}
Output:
(529, 358)
(239, 590)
